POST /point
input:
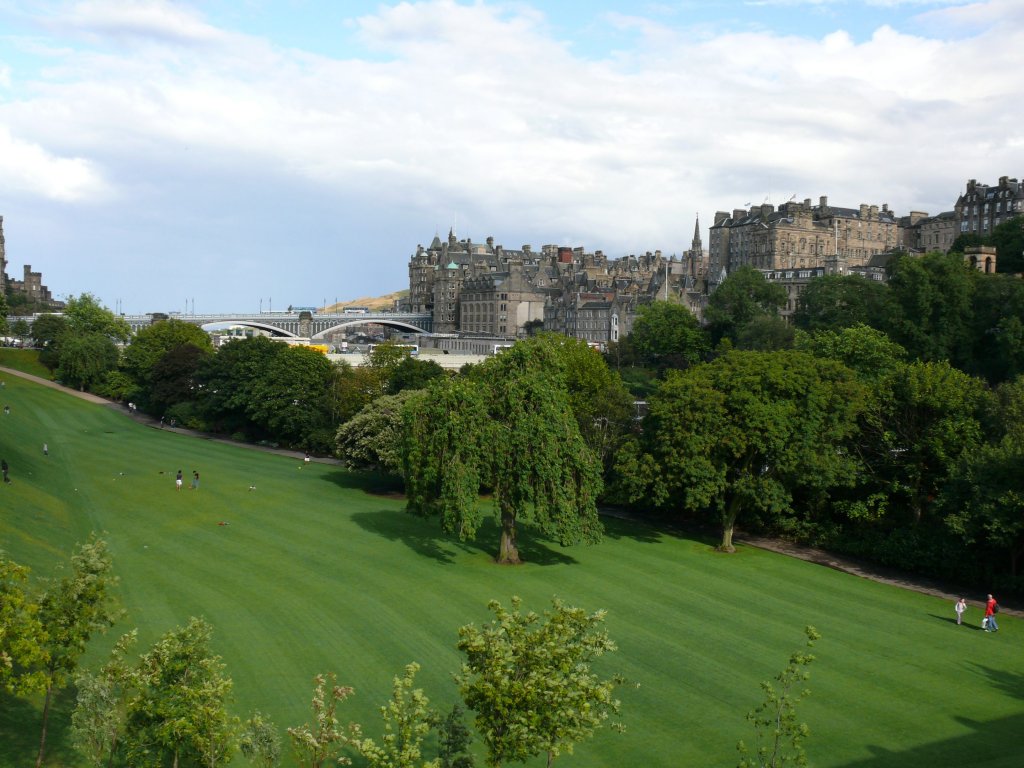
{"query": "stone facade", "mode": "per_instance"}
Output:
(982, 208)
(490, 292)
(799, 236)
(31, 284)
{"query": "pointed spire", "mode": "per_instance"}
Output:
(696, 245)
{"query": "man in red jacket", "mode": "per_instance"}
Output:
(990, 615)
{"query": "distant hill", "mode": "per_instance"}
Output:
(380, 302)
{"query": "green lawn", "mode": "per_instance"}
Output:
(307, 573)
(26, 360)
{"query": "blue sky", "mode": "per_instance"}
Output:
(232, 154)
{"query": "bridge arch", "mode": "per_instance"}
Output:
(396, 324)
(272, 329)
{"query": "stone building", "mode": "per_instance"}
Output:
(31, 284)
(982, 208)
(487, 291)
(799, 236)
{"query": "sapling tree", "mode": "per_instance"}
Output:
(778, 734)
(318, 744)
(259, 741)
(528, 677)
(101, 707)
(407, 719)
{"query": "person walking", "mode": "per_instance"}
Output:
(991, 608)
(46, 450)
(195, 480)
(960, 607)
(5, 468)
(177, 481)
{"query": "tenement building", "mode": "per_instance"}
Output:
(483, 290)
(799, 236)
(982, 208)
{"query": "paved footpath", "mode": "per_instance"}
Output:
(849, 565)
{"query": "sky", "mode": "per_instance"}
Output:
(245, 155)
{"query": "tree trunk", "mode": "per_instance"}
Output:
(728, 524)
(509, 554)
(46, 717)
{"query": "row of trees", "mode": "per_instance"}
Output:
(528, 678)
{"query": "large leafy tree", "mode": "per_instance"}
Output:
(741, 434)
(47, 333)
(22, 637)
(931, 416)
(997, 333)
(229, 379)
(530, 681)
(151, 345)
(372, 439)
(85, 314)
(743, 297)
(72, 609)
(834, 302)
(667, 335)
(84, 360)
(544, 472)
(931, 308)
(178, 714)
(291, 398)
(1008, 238)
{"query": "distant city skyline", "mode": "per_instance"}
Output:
(218, 155)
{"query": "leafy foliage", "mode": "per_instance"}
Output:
(528, 677)
(22, 636)
(779, 735)
(406, 723)
(667, 335)
(317, 744)
(99, 720)
(743, 297)
(259, 741)
(372, 439)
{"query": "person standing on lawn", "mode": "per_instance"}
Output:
(991, 607)
(960, 607)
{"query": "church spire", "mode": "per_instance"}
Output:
(696, 246)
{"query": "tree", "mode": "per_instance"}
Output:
(411, 373)
(84, 360)
(453, 739)
(778, 735)
(290, 398)
(47, 333)
(931, 416)
(868, 352)
(529, 679)
(99, 719)
(667, 335)
(740, 434)
(179, 713)
(997, 332)
(741, 298)
(259, 742)
(372, 439)
(20, 328)
(71, 610)
(1008, 239)
(544, 474)
(765, 334)
(317, 744)
(150, 348)
(85, 315)
(228, 380)
(22, 637)
(406, 724)
(931, 307)
(834, 302)
(174, 377)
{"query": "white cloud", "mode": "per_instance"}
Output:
(28, 167)
(132, 20)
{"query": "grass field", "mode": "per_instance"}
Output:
(310, 573)
(26, 360)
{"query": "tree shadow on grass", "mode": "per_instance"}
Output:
(425, 537)
(21, 724)
(374, 483)
(989, 743)
(1010, 683)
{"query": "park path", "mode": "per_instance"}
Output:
(853, 566)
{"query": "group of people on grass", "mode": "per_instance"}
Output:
(178, 481)
(988, 621)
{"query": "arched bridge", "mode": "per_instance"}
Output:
(298, 325)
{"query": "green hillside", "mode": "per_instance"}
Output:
(301, 571)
